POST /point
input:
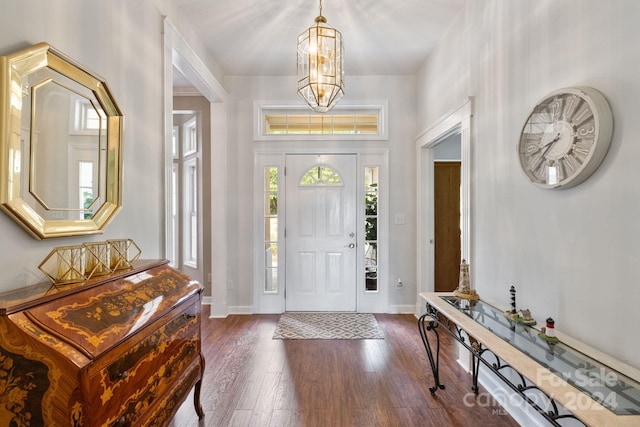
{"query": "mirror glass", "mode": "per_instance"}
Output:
(61, 142)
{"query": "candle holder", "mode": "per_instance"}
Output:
(123, 253)
(97, 259)
(65, 265)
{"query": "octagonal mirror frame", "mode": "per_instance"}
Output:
(14, 181)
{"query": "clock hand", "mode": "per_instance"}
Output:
(537, 160)
(548, 145)
(539, 157)
(552, 141)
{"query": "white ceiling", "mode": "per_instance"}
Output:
(258, 37)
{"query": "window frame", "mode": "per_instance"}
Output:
(79, 118)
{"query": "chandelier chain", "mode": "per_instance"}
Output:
(320, 7)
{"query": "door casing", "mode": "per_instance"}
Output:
(458, 120)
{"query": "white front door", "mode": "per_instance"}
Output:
(321, 232)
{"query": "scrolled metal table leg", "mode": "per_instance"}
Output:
(476, 354)
(435, 363)
(476, 371)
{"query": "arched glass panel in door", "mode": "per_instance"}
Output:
(321, 175)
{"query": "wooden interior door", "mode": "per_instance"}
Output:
(447, 225)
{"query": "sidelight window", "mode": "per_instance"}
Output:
(371, 228)
(270, 214)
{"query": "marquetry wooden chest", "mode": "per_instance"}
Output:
(121, 350)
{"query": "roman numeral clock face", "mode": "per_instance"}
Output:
(565, 138)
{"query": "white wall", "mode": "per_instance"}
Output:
(400, 92)
(121, 41)
(571, 254)
(450, 149)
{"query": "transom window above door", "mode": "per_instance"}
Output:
(345, 122)
(318, 123)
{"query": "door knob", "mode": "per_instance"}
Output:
(351, 245)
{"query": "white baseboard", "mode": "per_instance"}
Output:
(217, 310)
(402, 309)
(221, 311)
(241, 309)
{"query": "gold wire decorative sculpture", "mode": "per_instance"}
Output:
(73, 264)
(64, 265)
(123, 252)
(97, 258)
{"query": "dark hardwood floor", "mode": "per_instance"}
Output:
(254, 380)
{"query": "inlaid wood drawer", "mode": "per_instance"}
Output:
(121, 390)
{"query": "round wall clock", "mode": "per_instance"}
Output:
(566, 137)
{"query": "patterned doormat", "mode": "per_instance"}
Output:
(327, 326)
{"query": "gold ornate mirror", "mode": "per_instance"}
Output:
(60, 145)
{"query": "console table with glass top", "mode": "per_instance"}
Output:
(594, 389)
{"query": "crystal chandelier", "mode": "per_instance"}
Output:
(320, 65)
